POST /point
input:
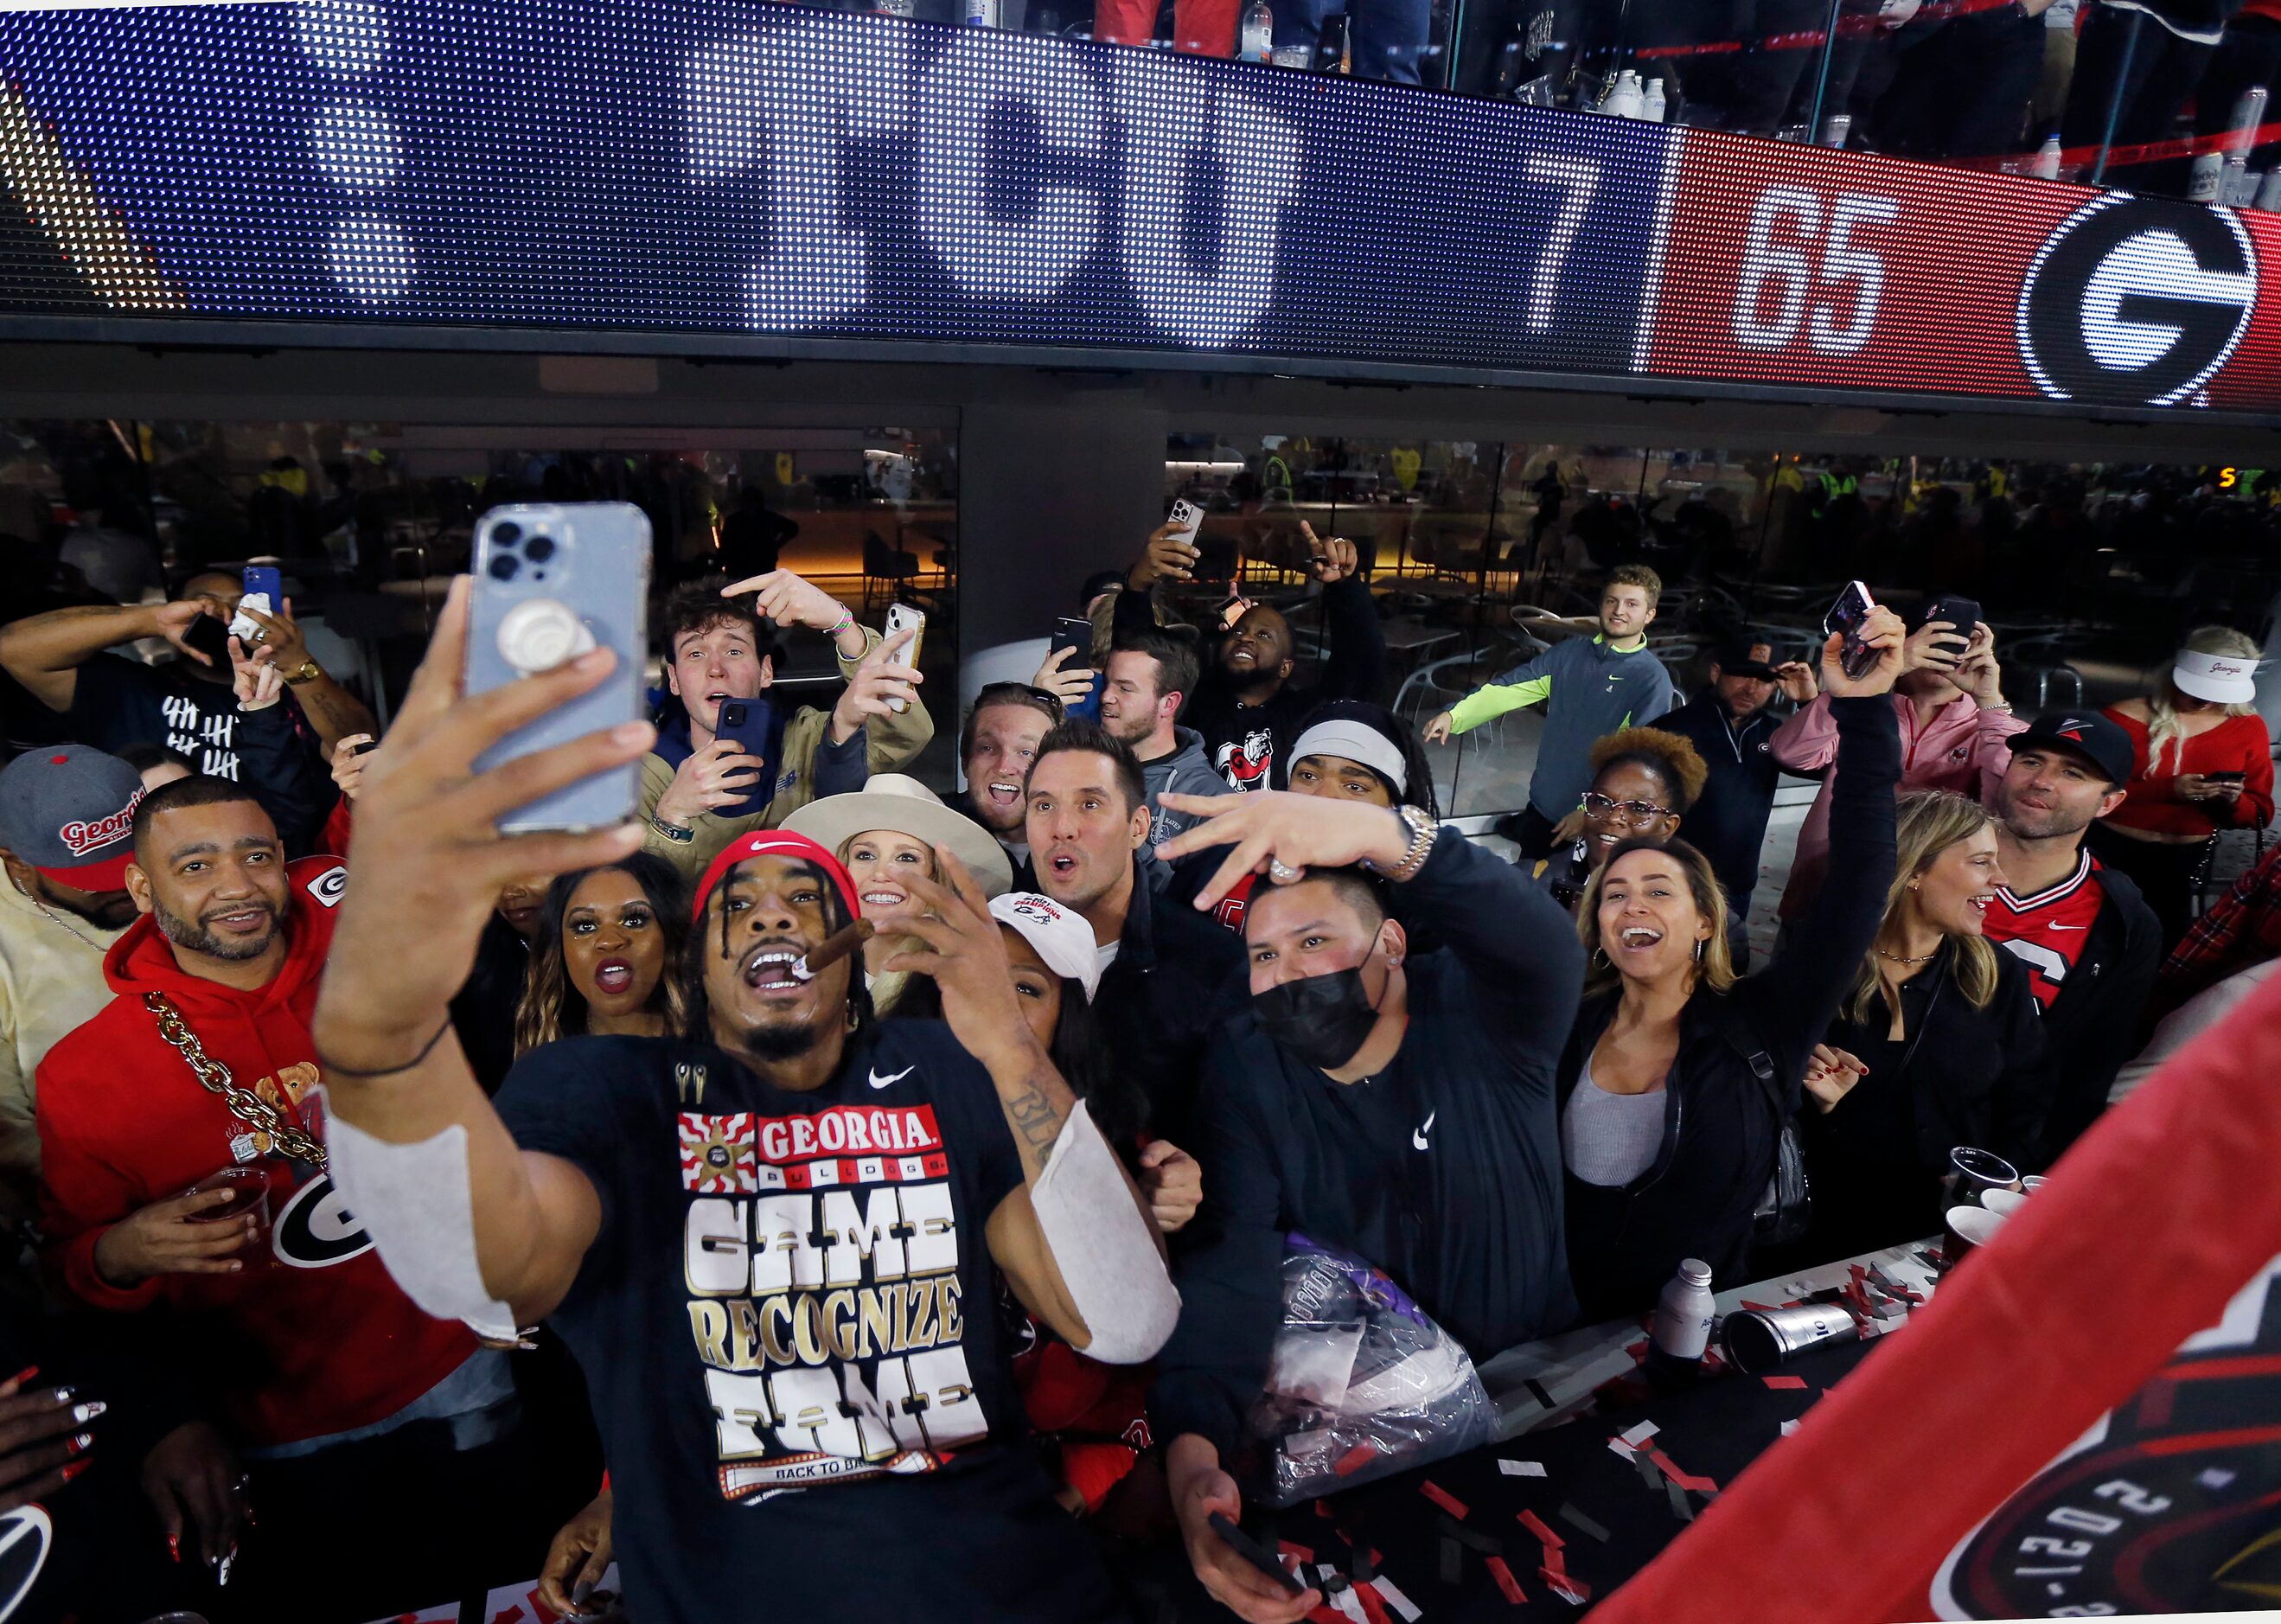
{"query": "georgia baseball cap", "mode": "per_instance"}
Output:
(1738, 656)
(69, 811)
(2098, 740)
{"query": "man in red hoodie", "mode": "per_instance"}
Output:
(316, 1361)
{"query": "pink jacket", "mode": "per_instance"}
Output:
(1959, 747)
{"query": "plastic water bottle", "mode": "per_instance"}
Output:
(1836, 130)
(1682, 1321)
(1257, 41)
(2047, 158)
(1625, 99)
(1652, 104)
(2207, 174)
(2248, 113)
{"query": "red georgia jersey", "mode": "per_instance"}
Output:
(2046, 931)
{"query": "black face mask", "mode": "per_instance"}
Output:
(1321, 1020)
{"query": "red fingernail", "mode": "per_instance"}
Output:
(174, 1547)
(23, 1376)
(75, 1468)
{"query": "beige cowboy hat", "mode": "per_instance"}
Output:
(900, 802)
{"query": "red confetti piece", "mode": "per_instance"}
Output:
(1756, 1307)
(1783, 1381)
(1443, 1498)
(1638, 1350)
(1554, 1563)
(1545, 1536)
(1353, 1461)
(1562, 1585)
(1505, 1582)
(1702, 1485)
(1291, 1548)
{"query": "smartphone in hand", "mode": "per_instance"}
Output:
(745, 723)
(1847, 617)
(903, 617)
(1252, 1551)
(263, 588)
(554, 580)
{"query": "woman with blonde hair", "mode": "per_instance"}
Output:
(1939, 1044)
(2204, 762)
(883, 833)
(1679, 1077)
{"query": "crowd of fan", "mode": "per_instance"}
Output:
(586, 1099)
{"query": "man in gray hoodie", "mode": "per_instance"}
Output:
(1150, 675)
(1589, 687)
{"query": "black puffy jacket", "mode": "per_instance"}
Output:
(1742, 1058)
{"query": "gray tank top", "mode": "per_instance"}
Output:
(1610, 1139)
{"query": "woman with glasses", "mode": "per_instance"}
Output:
(1679, 1077)
(1644, 780)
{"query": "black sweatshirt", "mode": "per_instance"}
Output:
(1722, 1121)
(1249, 745)
(1443, 1170)
(1962, 1077)
(1727, 823)
(2091, 1027)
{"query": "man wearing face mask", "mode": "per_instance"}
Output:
(1394, 1105)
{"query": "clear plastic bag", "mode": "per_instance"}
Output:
(1362, 1383)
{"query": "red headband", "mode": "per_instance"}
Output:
(773, 843)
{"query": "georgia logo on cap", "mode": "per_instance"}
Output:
(81, 837)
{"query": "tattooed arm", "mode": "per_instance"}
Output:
(958, 943)
(44, 651)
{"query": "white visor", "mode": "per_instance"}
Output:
(1060, 935)
(1355, 742)
(2221, 679)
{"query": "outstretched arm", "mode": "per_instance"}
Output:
(429, 862)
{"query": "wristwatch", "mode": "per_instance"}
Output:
(308, 671)
(674, 832)
(1422, 829)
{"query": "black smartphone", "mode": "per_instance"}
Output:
(1252, 1551)
(2227, 778)
(746, 721)
(211, 638)
(1846, 617)
(1961, 613)
(365, 747)
(1074, 632)
(1216, 559)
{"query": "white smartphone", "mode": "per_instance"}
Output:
(554, 580)
(902, 617)
(1187, 518)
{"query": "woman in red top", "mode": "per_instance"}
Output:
(2204, 762)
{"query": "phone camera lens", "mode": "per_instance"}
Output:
(506, 531)
(538, 549)
(504, 567)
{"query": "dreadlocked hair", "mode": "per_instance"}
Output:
(696, 1008)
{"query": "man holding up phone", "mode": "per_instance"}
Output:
(186, 704)
(701, 788)
(1956, 732)
(1246, 707)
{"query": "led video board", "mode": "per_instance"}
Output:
(695, 175)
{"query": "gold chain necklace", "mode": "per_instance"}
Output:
(215, 1077)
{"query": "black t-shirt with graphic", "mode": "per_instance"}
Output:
(117, 702)
(786, 1325)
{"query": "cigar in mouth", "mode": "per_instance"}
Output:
(831, 950)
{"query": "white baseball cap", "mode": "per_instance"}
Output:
(1060, 935)
(2222, 679)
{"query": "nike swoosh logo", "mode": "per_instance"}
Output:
(1418, 1137)
(879, 1081)
(2070, 927)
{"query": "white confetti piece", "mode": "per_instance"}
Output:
(1521, 1468)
